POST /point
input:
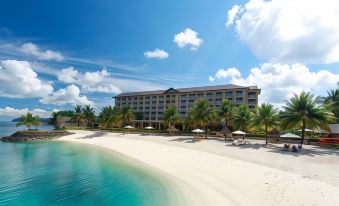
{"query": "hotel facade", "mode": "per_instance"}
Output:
(150, 105)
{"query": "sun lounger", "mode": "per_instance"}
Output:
(286, 147)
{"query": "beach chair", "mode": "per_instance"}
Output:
(235, 142)
(286, 147)
(295, 149)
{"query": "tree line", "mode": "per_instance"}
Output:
(300, 111)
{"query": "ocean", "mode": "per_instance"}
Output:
(8, 128)
(60, 173)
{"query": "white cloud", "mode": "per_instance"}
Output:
(68, 75)
(103, 89)
(232, 14)
(17, 79)
(188, 37)
(69, 95)
(97, 81)
(211, 79)
(230, 72)
(33, 50)
(279, 81)
(289, 31)
(156, 53)
(13, 112)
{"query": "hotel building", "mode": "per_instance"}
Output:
(150, 105)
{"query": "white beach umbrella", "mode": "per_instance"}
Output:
(198, 131)
(306, 130)
(239, 132)
(128, 127)
(290, 135)
(149, 127)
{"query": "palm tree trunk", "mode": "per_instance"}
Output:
(78, 123)
(206, 131)
(303, 133)
(226, 122)
(266, 133)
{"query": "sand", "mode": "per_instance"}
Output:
(212, 172)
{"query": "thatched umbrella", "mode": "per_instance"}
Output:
(172, 129)
(274, 133)
(225, 131)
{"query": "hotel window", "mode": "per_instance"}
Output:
(183, 96)
(140, 108)
(252, 101)
(192, 97)
(201, 95)
(209, 95)
(252, 95)
(135, 98)
(161, 98)
(239, 93)
(147, 98)
(229, 94)
(239, 101)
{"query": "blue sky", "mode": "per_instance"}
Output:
(108, 39)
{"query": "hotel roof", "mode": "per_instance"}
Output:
(187, 90)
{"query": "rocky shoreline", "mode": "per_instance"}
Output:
(35, 136)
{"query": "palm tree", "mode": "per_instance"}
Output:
(109, 116)
(304, 110)
(126, 114)
(226, 110)
(171, 115)
(78, 115)
(332, 102)
(53, 118)
(202, 114)
(267, 116)
(28, 120)
(89, 114)
(242, 116)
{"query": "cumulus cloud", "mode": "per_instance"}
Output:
(68, 95)
(97, 81)
(156, 53)
(188, 37)
(289, 31)
(232, 14)
(33, 50)
(18, 79)
(279, 81)
(13, 112)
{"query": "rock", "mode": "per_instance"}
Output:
(35, 136)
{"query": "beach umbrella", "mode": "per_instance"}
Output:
(128, 127)
(149, 127)
(172, 129)
(306, 130)
(238, 132)
(198, 131)
(290, 135)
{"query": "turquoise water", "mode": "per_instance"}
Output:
(8, 128)
(58, 173)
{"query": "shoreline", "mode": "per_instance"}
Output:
(206, 178)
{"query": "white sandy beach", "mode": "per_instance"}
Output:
(212, 172)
